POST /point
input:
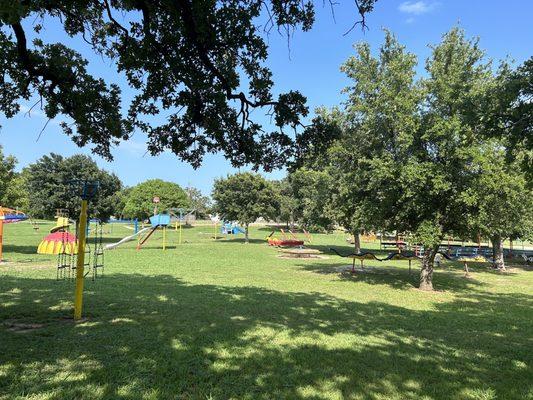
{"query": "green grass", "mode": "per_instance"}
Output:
(225, 320)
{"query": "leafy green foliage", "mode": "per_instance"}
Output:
(503, 201)
(139, 199)
(509, 113)
(405, 158)
(51, 185)
(244, 197)
(198, 202)
(380, 119)
(287, 210)
(311, 192)
(7, 174)
(200, 63)
(17, 195)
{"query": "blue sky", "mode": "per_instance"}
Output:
(311, 66)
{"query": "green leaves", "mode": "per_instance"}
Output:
(7, 176)
(139, 199)
(197, 65)
(244, 197)
(48, 182)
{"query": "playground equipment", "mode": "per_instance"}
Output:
(66, 248)
(8, 216)
(404, 255)
(127, 239)
(157, 221)
(291, 235)
(362, 256)
(230, 228)
(301, 252)
(126, 222)
(181, 216)
(284, 241)
(60, 240)
(87, 190)
(215, 219)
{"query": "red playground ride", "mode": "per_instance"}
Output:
(284, 241)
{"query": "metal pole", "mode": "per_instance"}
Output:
(78, 298)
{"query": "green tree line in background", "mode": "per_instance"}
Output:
(49, 184)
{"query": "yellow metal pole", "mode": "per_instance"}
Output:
(180, 234)
(78, 298)
(164, 238)
(176, 226)
(215, 230)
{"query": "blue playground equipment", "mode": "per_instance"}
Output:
(160, 220)
(230, 228)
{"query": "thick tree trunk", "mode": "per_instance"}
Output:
(497, 252)
(246, 240)
(426, 273)
(357, 241)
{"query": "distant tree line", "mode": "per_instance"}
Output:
(50, 184)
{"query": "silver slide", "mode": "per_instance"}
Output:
(126, 239)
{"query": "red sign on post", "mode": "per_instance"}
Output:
(156, 200)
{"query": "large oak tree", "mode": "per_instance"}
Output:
(199, 64)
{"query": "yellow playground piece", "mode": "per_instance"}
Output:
(62, 223)
(59, 241)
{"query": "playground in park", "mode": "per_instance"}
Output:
(211, 317)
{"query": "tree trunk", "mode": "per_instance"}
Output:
(497, 252)
(426, 273)
(357, 241)
(246, 240)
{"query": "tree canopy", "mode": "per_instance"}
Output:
(7, 174)
(139, 199)
(200, 204)
(200, 63)
(51, 184)
(509, 113)
(502, 201)
(244, 197)
(411, 152)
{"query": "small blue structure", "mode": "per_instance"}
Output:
(230, 228)
(160, 220)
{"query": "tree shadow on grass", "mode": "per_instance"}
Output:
(397, 277)
(242, 241)
(347, 249)
(159, 337)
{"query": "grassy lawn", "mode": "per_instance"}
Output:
(224, 320)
